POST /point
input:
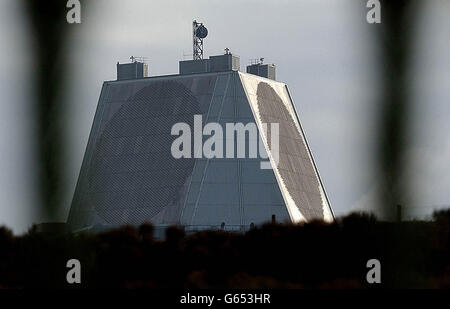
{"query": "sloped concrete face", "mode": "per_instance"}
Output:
(129, 175)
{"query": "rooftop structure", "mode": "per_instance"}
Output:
(264, 70)
(130, 175)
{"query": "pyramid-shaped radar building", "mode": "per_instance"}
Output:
(130, 174)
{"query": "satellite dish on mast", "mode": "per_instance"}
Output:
(201, 32)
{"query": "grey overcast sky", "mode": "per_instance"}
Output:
(324, 50)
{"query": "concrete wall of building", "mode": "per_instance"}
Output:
(129, 175)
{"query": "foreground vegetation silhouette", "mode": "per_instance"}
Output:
(413, 254)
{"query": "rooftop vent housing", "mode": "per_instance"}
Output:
(221, 63)
(134, 70)
(263, 70)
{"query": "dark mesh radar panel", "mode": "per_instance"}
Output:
(132, 164)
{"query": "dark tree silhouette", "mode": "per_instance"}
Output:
(312, 255)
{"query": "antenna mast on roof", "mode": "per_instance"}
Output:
(199, 32)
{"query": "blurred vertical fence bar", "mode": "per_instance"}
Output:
(396, 35)
(49, 30)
